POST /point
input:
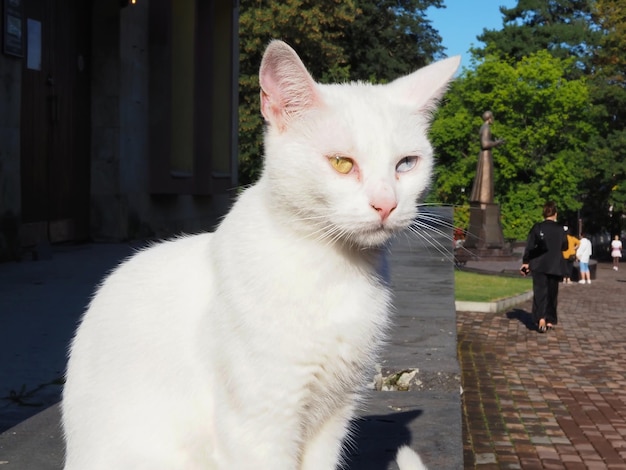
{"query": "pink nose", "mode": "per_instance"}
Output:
(384, 208)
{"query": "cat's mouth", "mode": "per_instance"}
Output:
(365, 233)
(378, 235)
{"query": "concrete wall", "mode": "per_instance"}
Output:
(10, 188)
(122, 204)
(107, 201)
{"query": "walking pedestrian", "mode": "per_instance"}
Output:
(583, 253)
(544, 261)
(569, 255)
(616, 252)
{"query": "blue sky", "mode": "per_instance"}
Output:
(462, 20)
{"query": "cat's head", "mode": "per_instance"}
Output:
(347, 162)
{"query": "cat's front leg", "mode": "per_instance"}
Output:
(323, 450)
(256, 434)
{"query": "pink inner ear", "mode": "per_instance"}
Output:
(269, 111)
(287, 89)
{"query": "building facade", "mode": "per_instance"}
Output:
(118, 120)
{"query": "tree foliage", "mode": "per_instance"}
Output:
(540, 113)
(605, 187)
(610, 60)
(562, 27)
(583, 160)
(314, 28)
(390, 38)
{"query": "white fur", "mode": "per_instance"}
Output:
(246, 348)
(407, 459)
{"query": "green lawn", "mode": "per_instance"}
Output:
(473, 287)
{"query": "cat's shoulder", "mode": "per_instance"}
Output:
(167, 254)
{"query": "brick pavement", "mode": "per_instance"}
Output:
(548, 401)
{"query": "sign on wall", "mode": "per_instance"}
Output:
(12, 16)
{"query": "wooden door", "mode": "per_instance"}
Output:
(55, 121)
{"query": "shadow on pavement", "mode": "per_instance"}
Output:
(377, 438)
(523, 317)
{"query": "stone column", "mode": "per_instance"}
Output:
(485, 230)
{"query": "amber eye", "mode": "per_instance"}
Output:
(341, 164)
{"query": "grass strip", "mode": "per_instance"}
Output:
(474, 287)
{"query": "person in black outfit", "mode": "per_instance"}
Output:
(544, 261)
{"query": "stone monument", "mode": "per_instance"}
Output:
(485, 237)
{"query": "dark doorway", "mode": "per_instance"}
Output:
(55, 121)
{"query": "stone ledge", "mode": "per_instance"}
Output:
(492, 307)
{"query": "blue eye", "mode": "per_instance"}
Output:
(406, 164)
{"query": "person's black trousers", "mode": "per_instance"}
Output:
(545, 297)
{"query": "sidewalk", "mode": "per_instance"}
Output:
(40, 303)
(548, 401)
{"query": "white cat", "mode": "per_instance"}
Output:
(247, 348)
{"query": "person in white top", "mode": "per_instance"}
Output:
(616, 252)
(583, 253)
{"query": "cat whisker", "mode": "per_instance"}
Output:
(310, 217)
(427, 223)
(433, 215)
(433, 243)
(427, 214)
(418, 224)
(328, 233)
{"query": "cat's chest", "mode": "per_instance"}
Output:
(304, 297)
(312, 287)
(294, 293)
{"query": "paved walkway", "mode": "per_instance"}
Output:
(548, 401)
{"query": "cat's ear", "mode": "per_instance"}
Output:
(424, 88)
(287, 88)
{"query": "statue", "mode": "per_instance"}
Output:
(482, 191)
(485, 237)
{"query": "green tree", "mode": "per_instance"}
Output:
(605, 187)
(544, 117)
(594, 33)
(313, 28)
(562, 27)
(610, 15)
(390, 38)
